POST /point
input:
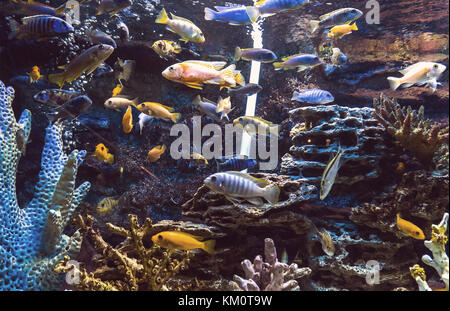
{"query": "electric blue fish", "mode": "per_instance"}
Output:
(266, 8)
(231, 15)
(313, 96)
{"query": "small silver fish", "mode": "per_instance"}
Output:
(143, 120)
(329, 174)
(207, 107)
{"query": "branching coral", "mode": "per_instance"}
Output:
(439, 261)
(270, 275)
(410, 128)
(31, 238)
(130, 265)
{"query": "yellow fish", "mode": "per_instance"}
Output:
(127, 121)
(409, 228)
(102, 154)
(199, 159)
(224, 107)
(255, 125)
(34, 74)
(175, 240)
(186, 29)
(159, 111)
(326, 241)
(337, 32)
(154, 154)
(106, 205)
(117, 90)
(165, 48)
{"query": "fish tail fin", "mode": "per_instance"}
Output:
(210, 14)
(162, 148)
(354, 27)
(394, 83)
(239, 78)
(162, 17)
(253, 13)
(175, 117)
(272, 193)
(227, 74)
(61, 8)
(208, 246)
(134, 102)
(57, 78)
(314, 26)
(295, 95)
(278, 65)
(237, 54)
(14, 27)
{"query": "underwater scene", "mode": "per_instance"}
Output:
(267, 145)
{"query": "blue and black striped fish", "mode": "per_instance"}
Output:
(40, 26)
(235, 164)
(313, 96)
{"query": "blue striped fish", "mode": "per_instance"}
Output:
(40, 26)
(235, 164)
(235, 185)
(313, 96)
(231, 15)
(266, 8)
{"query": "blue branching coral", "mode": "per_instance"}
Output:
(31, 238)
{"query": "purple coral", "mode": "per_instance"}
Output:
(270, 275)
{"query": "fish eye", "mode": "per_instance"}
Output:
(171, 69)
(102, 148)
(103, 204)
(417, 233)
(213, 178)
(435, 66)
(160, 237)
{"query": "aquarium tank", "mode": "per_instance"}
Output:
(185, 146)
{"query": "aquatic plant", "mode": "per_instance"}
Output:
(269, 275)
(440, 258)
(31, 238)
(410, 128)
(131, 265)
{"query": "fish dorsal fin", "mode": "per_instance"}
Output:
(208, 101)
(324, 16)
(259, 2)
(197, 237)
(213, 65)
(122, 96)
(259, 182)
(225, 8)
(412, 67)
(180, 18)
(288, 57)
(28, 18)
(262, 120)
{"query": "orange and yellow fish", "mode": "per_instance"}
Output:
(337, 32)
(195, 74)
(154, 154)
(127, 121)
(159, 111)
(102, 154)
(35, 74)
(117, 90)
(176, 240)
(409, 228)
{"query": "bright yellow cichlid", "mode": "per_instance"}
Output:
(176, 240)
(409, 228)
(102, 154)
(35, 74)
(106, 205)
(337, 32)
(165, 48)
(117, 90)
(186, 29)
(86, 62)
(256, 125)
(154, 154)
(127, 121)
(159, 111)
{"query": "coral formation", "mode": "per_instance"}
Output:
(32, 239)
(410, 128)
(269, 275)
(440, 258)
(131, 265)
(322, 130)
